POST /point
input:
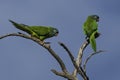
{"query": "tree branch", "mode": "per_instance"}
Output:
(89, 57)
(79, 61)
(68, 51)
(59, 60)
(65, 75)
(79, 69)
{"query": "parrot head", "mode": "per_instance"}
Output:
(95, 17)
(55, 32)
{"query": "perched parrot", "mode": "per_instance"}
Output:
(40, 32)
(90, 28)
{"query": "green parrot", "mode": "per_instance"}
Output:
(90, 28)
(40, 32)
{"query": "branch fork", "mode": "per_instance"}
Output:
(77, 62)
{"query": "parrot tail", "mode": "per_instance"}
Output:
(93, 41)
(21, 27)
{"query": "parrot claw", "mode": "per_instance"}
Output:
(47, 42)
(87, 39)
(19, 33)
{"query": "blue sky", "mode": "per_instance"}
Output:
(22, 59)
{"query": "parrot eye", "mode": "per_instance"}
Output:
(55, 32)
(96, 17)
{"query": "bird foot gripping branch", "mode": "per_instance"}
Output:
(42, 42)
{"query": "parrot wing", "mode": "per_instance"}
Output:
(44, 32)
(95, 26)
(40, 30)
(92, 41)
(22, 27)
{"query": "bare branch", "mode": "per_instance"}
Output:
(80, 53)
(58, 73)
(79, 61)
(68, 51)
(89, 57)
(79, 69)
(65, 75)
(59, 60)
(24, 36)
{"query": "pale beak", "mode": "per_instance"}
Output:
(56, 34)
(97, 20)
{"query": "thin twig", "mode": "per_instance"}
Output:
(89, 57)
(59, 60)
(68, 51)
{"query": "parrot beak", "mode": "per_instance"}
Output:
(56, 34)
(97, 20)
